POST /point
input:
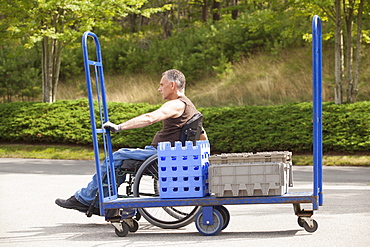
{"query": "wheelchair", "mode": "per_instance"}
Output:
(141, 179)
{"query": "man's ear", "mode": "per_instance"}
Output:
(173, 85)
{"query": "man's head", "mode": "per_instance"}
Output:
(172, 82)
(176, 76)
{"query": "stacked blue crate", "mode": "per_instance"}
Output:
(183, 170)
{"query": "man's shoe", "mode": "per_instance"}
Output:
(94, 210)
(72, 203)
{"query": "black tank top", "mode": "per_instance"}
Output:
(171, 130)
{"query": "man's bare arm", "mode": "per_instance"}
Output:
(170, 109)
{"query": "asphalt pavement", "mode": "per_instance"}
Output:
(29, 216)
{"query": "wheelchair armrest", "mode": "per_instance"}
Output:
(131, 165)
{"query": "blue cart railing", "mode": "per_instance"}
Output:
(97, 91)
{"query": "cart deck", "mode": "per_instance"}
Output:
(136, 202)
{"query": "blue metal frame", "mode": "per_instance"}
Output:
(135, 202)
(317, 106)
(100, 95)
(315, 197)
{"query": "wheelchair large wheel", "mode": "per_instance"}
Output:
(146, 185)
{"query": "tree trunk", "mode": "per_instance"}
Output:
(47, 71)
(56, 68)
(51, 56)
(358, 51)
(178, 14)
(235, 12)
(166, 24)
(216, 10)
(349, 52)
(338, 74)
(205, 10)
(140, 23)
(133, 17)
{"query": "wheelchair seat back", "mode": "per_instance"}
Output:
(192, 129)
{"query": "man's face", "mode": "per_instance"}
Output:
(166, 88)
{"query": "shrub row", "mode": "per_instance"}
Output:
(346, 128)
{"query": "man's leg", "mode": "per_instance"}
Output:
(83, 198)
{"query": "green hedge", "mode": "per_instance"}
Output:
(346, 128)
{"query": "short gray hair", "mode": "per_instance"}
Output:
(174, 75)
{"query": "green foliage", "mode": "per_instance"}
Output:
(132, 42)
(20, 73)
(55, 23)
(257, 128)
(64, 20)
(230, 129)
(202, 49)
(348, 126)
(62, 122)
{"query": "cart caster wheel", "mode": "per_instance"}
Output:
(134, 226)
(124, 232)
(310, 227)
(209, 230)
(225, 215)
(138, 215)
(300, 222)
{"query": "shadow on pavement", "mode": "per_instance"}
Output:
(147, 232)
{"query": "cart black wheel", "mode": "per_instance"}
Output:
(134, 227)
(146, 185)
(300, 222)
(310, 229)
(137, 215)
(125, 229)
(225, 215)
(209, 230)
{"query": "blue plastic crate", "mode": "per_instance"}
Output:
(183, 170)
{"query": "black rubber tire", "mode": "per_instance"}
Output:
(225, 215)
(124, 232)
(137, 216)
(311, 229)
(300, 222)
(209, 230)
(135, 226)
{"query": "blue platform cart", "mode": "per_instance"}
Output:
(212, 216)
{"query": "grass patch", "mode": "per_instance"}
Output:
(333, 160)
(70, 152)
(119, 88)
(261, 79)
(39, 151)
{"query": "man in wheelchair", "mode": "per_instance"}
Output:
(175, 113)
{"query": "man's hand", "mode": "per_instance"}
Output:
(112, 127)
